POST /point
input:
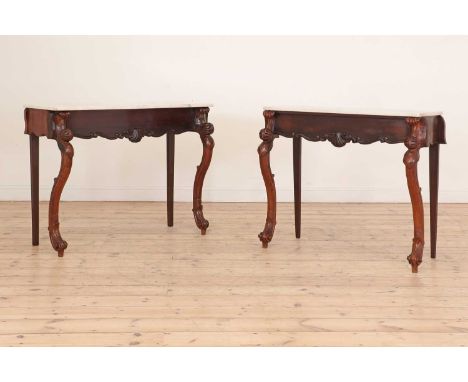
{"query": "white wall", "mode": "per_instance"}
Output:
(238, 75)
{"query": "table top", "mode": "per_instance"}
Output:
(357, 111)
(75, 107)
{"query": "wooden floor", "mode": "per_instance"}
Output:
(127, 279)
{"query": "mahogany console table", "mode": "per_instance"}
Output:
(62, 124)
(415, 130)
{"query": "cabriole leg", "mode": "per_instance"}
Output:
(205, 130)
(63, 136)
(267, 136)
(410, 159)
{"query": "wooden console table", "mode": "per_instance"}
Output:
(415, 130)
(62, 124)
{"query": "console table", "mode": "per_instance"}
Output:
(64, 123)
(415, 130)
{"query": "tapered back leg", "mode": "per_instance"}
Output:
(434, 193)
(34, 162)
(297, 146)
(170, 146)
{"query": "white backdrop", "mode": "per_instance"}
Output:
(238, 75)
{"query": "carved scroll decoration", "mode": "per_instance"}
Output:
(63, 136)
(414, 142)
(204, 129)
(339, 139)
(133, 135)
(267, 135)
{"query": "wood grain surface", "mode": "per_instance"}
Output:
(129, 280)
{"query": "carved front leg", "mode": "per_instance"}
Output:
(63, 136)
(267, 136)
(205, 130)
(411, 158)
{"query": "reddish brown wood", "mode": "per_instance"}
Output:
(414, 142)
(205, 129)
(297, 148)
(340, 129)
(434, 193)
(63, 136)
(170, 177)
(34, 159)
(133, 124)
(267, 135)
(38, 122)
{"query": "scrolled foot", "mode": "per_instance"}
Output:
(414, 263)
(415, 257)
(263, 240)
(267, 234)
(200, 220)
(56, 240)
